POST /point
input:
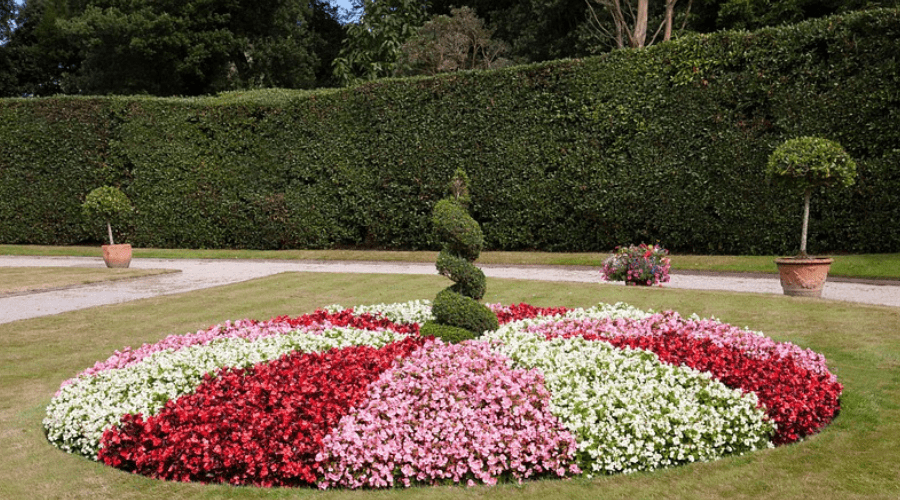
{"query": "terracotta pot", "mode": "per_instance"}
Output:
(803, 277)
(117, 255)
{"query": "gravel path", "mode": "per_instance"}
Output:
(204, 273)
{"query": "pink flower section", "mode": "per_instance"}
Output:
(449, 412)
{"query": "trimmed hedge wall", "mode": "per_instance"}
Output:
(665, 144)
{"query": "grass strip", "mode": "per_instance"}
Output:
(16, 280)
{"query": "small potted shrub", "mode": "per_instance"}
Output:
(105, 205)
(806, 163)
(643, 265)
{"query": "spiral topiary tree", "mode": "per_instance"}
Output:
(458, 314)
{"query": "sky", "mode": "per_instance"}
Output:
(344, 4)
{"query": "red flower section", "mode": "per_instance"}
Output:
(799, 401)
(524, 311)
(261, 425)
(347, 318)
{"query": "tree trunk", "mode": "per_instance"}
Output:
(640, 24)
(109, 230)
(670, 15)
(621, 26)
(806, 198)
(631, 27)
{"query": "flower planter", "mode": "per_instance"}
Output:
(450, 387)
(637, 265)
(117, 255)
(803, 277)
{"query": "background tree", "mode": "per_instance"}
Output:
(7, 65)
(38, 49)
(170, 47)
(8, 9)
(189, 47)
(327, 37)
(536, 30)
(627, 22)
(540, 30)
(452, 43)
(372, 47)
(275, 43)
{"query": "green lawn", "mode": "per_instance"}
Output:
(858, 456)
(875, 266)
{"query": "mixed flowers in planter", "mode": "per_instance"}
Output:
(637, 265)
(357, 398)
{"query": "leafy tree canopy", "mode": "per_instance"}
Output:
(171, 47)
(189, 47)
(452, 43)
(37, 50)
(539, 30)
(372, 47)
(7, 16)
(7, 63)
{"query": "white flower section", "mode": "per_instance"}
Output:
(414, 311)
(630, 412)
(619, 310)
(81, 411)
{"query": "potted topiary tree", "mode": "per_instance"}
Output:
(807, 163)
(105, 205)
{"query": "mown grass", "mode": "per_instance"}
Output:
(874, 266)
(858, 456)
(15, 280)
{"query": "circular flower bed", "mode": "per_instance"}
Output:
(357, 398)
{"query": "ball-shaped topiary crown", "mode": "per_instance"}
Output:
(105, 205)
(808, 162)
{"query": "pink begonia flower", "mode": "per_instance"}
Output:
(442, 415)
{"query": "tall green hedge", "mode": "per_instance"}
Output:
(667, 143)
